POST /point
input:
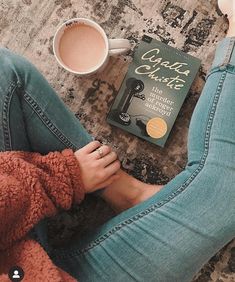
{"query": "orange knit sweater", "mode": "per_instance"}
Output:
(33, 187)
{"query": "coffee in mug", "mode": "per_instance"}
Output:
(82, 47)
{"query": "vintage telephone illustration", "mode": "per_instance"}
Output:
(134, 87)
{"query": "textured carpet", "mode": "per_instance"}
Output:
(27, 27)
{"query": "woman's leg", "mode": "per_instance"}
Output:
(33, 117)
(172, 234)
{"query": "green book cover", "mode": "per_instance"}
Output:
(153, 90)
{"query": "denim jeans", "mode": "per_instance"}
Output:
(168, 237)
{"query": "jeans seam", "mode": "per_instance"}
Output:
(229, 52)
(5, 115)
(54, 129)
(63, 253)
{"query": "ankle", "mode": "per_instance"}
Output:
(138, 190)
(126, 193)
(227, 7)
(145, 191)
(231, 29)
(142, 191)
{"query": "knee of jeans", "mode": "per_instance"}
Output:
(6, 56)
(9, 63)
(17, 63)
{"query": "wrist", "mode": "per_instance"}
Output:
(75, 175)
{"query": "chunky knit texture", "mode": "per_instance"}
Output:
(34, 187)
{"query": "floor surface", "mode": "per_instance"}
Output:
(27, 27)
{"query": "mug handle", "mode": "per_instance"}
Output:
(118, 46)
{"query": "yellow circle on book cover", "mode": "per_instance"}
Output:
(156, 127)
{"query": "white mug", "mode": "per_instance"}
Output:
(113, 46)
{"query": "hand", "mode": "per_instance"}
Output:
(97, 172)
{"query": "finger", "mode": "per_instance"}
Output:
(104, 149)
(108, 159)
(112, 168)
(90, 147)
(109, 181)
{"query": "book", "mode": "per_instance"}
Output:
(153, 90)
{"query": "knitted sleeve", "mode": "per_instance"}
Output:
(33, 186)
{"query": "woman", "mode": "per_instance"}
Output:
(165, 233)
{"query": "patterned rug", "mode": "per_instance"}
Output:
(27, 27)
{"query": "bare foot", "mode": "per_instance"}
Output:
(127, 192)
(227, 7)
